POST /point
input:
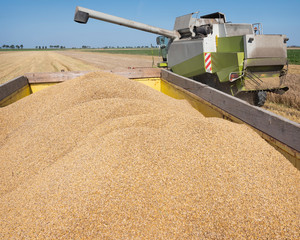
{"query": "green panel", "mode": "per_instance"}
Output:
(230, 44)
(225, 63)
(191, 67)
(222, 64)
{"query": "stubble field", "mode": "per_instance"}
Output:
(14, 64)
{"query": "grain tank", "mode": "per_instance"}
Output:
(235, 58)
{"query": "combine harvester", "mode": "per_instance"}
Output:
(234, 58)
(280, 132)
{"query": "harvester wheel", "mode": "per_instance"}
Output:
(260, 98)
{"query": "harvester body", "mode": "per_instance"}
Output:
(234, 58)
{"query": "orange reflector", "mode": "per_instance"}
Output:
(233, 76)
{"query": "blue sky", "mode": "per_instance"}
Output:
(50, 22)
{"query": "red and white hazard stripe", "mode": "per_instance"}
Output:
(207, 59)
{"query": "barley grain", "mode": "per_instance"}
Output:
(103, 157)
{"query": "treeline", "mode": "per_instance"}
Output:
(109, 47)
(51, 46)
(56, 46)
(117, 47)
(12, 46)
(6, 46)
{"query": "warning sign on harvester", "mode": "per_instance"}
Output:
(208, 63)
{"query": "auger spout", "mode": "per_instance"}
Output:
(83, 14)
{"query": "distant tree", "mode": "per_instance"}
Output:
(21, 46)
(17, 46)
(12, 46)
(40, 47)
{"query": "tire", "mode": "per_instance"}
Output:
(260, 98)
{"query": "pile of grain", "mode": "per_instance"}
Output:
(104, 157)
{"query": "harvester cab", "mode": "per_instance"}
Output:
(234, 58)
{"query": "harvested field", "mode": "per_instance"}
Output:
(13, 64)
(282, 110)
(287, 104)
(291, 98)
(107, 61)
(102, 157)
